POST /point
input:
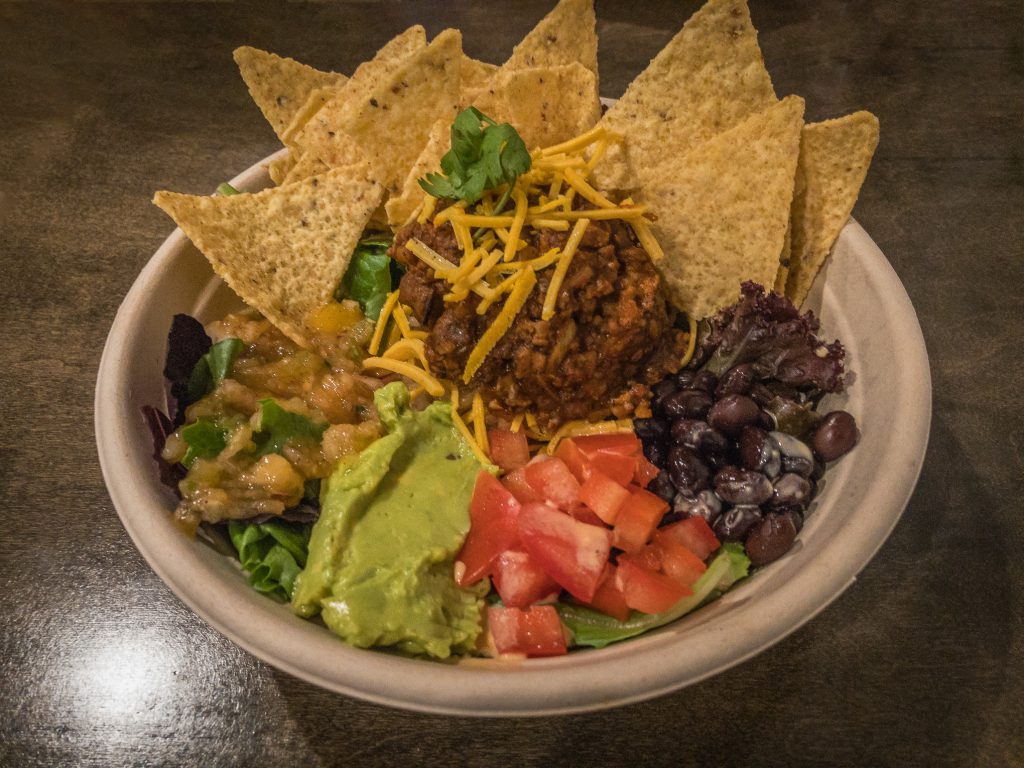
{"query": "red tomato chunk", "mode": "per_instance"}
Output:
(492, 514)
(520, 580)
(553, 481)
(536, 631)
(695, 534)
(603, 495)
(637, 520)
(648, 591)
(574, 554)
(509, 450)
(609, 598)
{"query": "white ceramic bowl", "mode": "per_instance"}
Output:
(859, 299)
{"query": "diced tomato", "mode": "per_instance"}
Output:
(520, 581)
(677, 561)
(509, 450)
(637, 520)
(585, 514)
(644, 472)
(625, 443)
(554, 482)
(536, 631)
(648, 557)
(695, 534)
(617, 466)
(609, 598)
(647, 591)
(492, 528)
(603, 495)
(577, 463)
(572, 553)
(515, 482)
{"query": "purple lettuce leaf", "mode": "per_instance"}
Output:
(187, 342)
(766, 330)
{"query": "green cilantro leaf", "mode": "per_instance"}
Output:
(484, 155)
(277, 426)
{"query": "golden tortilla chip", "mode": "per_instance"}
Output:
(834, 159)
(391, 123)
(723, 208)
(314, 102)
(322, 134)
(567, 34)
(306, 166)
(546, 105)
(279, 85)
(476, 74)
(283, 250)
(708, 78)
(779, 286)
(401, 208)
(279, 167)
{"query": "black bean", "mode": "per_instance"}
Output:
(687, 404)
(795, 514)
(770, 539)
(759, 451)
(736, 523)
(705, 504)
(687, 470)
(760, 394)
(684, 379)
(663, 388)
(742, 486)
(700, 436)
(656, 453)
(705, 381)
(650, 430)
(662, 487)
(791, 489)
(835, 436)
(732, 413)
(736, 381)
(797, 465)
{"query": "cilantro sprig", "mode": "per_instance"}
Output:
(485, 154)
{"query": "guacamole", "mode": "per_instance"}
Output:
(393, 518)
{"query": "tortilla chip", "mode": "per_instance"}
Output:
(708, 78)
(834, 159)
(723, 208)
(546, 105)
(306, 166)
(279, 167)
(313, 104)
(279, 85)
(568, 34)
(322, 134)
(283, 250)
(476, 74)
(779, 286)
(401, 208)
(391, 123)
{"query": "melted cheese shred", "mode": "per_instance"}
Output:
(583, 428)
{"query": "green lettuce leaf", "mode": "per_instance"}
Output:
(368, 278)
(213, 368)
(277, 426)
(205, 440)
(595, 629)
(272, 553)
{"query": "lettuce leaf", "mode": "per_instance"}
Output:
(595, 629)
(212, 368)
(277, 426)
(765, 329)
(368, 278)
(205, 440)
(272, 553)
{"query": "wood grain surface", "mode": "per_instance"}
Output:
(921, 662)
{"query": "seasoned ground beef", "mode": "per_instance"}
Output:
(612, 333)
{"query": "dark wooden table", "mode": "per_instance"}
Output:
(921, 662)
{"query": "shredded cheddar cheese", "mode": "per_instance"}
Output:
(551, 297)
(583, 428)
(432, 386)
(691, 345)
(501, 323)
(382, 321)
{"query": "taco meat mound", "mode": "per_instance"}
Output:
(611, 336)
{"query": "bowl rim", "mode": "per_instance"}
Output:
(629, 672)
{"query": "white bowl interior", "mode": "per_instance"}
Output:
(859, 299)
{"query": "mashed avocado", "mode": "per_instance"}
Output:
(381, 556)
